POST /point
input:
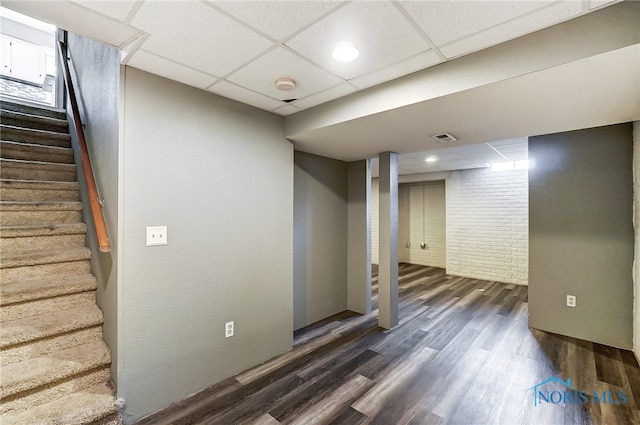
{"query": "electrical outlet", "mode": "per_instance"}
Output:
(571, 300)
(228, 329)
(156, 235)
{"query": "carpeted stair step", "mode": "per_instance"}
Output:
(49, 112)
(26, 401)
(39, 213)
(29, 375)
(12, 259)
(43, 242)
(45, 306)
(36, 152)
(48, 325)
(21, 119)
(44, 271)
(22, 238)
(37, 170)
(51, 345)
(16, 266)
(36, 190)
(93, 406)
(41, 137)
(54, 366)
(53, 286)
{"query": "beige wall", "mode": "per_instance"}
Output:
(581, 234)
(219, 174)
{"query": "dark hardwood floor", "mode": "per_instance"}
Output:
(462, 354)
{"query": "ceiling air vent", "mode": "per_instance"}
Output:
(444, 138)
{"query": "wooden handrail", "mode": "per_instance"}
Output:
(92, 191)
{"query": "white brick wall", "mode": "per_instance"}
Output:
(488, 225)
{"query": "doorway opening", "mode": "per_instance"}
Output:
(28, 71)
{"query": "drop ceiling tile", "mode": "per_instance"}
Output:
(360, 23)
(77, 19)
(325, 96)
(117, 9)
(416, 63)
(519, 141)
(198, 36)
(446, 21)
(261, 75)
(507, 151)
(277, 19)
(286, 110)
(542, 18)
(241, 94)
(594, 4)
(517, 156)
(165, 68)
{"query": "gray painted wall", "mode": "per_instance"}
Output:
(320, 238)
(581, 234)
(219, 174)
(359, 236)
(636, 224)
(97, 69)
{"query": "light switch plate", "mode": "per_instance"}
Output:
(156, 235)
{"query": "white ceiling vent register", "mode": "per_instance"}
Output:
(444, 138)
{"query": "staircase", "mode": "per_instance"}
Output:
(54, 362)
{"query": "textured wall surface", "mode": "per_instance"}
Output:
(581, 234)
(320, 238)
(100, 99)
(219, 174)
(487, 225)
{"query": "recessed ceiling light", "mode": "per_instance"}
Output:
(345, 52)
(431, 159)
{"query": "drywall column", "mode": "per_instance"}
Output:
(388, 267)
(359, 236)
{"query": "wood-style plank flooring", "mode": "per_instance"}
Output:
(462, 354)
